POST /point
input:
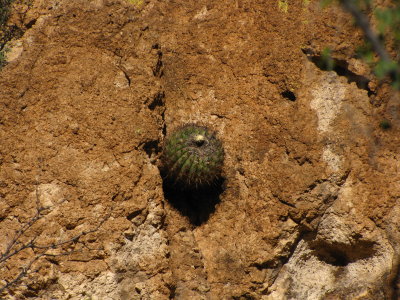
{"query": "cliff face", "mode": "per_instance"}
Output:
(308, 208)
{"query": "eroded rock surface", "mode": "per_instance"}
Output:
(308, 208)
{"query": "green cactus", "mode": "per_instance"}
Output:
(192, 157)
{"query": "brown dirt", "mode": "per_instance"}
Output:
(311, 180)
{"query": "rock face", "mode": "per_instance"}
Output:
(309, 206)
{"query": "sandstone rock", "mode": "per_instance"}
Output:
(308, 208)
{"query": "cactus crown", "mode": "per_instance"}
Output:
(192, 156)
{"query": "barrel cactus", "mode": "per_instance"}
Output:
(192, 157)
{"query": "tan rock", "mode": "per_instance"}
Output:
(308, 208)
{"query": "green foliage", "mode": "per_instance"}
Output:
(388, 26)
(326, 61)
(383, 68)
(385, 124)
(192, 157)
(386, 62)
(365, 52)
(389, 21)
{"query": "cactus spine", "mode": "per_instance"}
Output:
(192, 157)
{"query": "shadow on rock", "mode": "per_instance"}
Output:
(196, 204)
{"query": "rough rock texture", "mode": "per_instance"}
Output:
(309, 206)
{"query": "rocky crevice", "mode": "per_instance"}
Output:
(302, 212)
